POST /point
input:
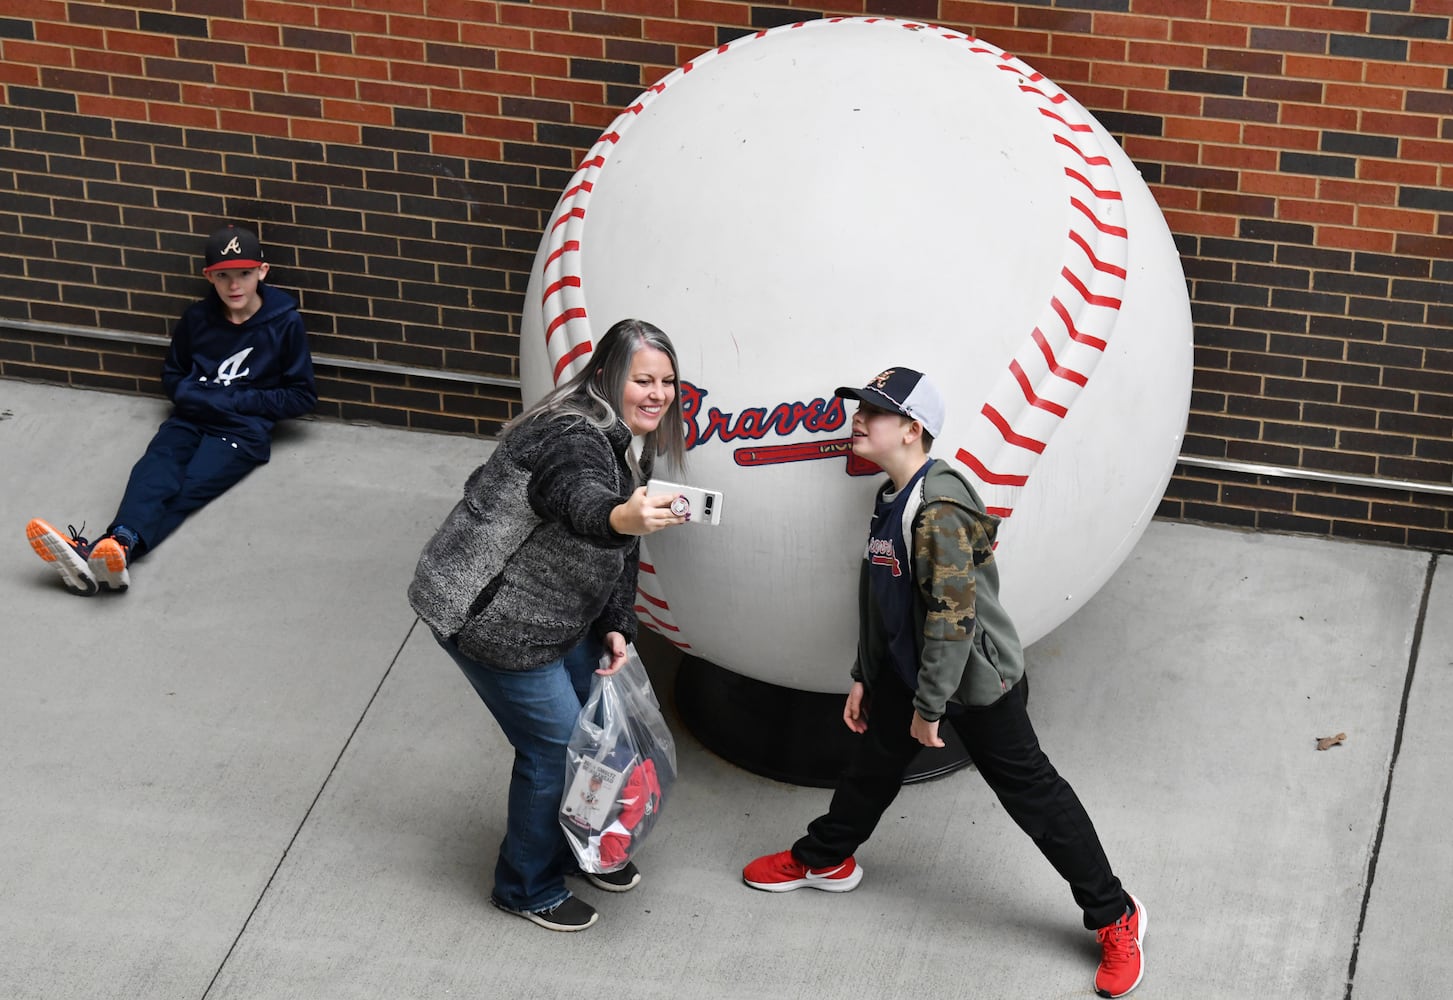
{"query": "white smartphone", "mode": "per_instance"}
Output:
(704, 506)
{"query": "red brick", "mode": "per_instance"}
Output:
(1430, 53)
(392, 6)
(1235, 12)
(507, 129)
(322, 86)
(1203, 130)
(69, 35)
(565, 44)
(495, 36)
(425, 75)
(1131, 26)
(1065, 72)
(467, 101)
(351, 68)
(326, 131)
(1398, 172)
(204, 96)
(425, 28)
(1424, 126)
(587, 91)
(1204, 33)
(1168, 54)
(1363, 96)
(711, 12)
(19, 74)
(388, 48)
(533, 64)
(1405, 75)
(593, 115)
(280, 58)
(115, 63)
(1194, 9)
(1119, 74)
(74, 81)
(1433, 7)
(976, 15)
(1427, 152)
(1324, 18)
(1199, 224)
(17, 50)
(529, 16)
(1278, 137)
(698, 37)
(354, 22)
(464, 11)
(647, 8)
(250, 78)
(1185, 199)
(1031, 46)
(1398, 220)
(489, 150)
(1319, 116)
(364, 112)
(517, 85)
(1278, 185)
(1339, 238)
(1248, 157)
(393, 93)
(1324, 68)
(245, 122)
(1094, 49)
(179, 114)
(1314, 211)
(246, 31)
(274, 12)
(1357, 192)
(111, 107)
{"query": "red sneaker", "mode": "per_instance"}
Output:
(782, 872)
(1121, 961)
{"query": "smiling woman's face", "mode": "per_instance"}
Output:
(649, 390)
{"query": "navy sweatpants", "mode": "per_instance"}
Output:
(1002, 744)
(182, 469)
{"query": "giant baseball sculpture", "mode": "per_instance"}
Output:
(805, 206)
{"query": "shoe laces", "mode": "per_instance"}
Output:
(1117, 942)
(77, 539)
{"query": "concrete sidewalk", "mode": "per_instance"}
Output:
(254, 776)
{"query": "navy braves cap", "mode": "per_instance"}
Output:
(903, 391)
(233, 247)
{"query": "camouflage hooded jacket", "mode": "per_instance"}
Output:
(968, 650)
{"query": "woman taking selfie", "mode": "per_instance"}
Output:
(530, 582)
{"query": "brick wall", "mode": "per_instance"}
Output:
(400, 158)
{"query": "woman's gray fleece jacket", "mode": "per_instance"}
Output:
(527, 564)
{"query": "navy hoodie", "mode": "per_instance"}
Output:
(237, 380)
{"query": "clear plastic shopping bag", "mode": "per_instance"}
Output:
(619, 765)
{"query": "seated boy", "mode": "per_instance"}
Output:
(936, 648)
(238, 363)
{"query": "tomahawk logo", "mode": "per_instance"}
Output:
(227, 371)
(880, 553)
(234, 245)
(882, 379)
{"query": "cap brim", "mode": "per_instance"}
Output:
(872, 397)
(232, 265)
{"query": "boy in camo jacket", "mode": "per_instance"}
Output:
(935, 645)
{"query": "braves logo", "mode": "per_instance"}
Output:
(234, 245)
(880, 553)
(882, 379)
(781, 419)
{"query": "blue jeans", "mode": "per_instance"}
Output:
(536, 709)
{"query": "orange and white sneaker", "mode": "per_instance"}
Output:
(108, 562)
(782, 872)
(68, 555)
(1122, 963)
